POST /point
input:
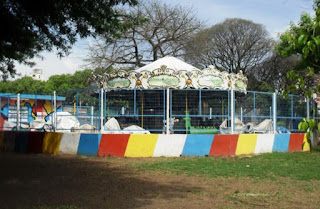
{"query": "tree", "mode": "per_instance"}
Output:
(233, 45)
(270, 75)
(303, 40)
(22, 85)
(164, 30)
(59, 82)
(29, 27)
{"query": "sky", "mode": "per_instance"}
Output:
(275, 15)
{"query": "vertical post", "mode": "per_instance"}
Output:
(274, 107)
(77, 105)
(91, 115)
(168, 112)
(200, 111)
(105, 102)
(170, 102)
(308, 108)
(291, 107)
(101, 110)
(54, 111)
(134, 102)
(241, 113)
(35, 104)
(18, 112)
(164, 127)
(142, 101)
(254, 105)
(232, 111)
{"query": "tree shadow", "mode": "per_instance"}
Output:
(28, 181)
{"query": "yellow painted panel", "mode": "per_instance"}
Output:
(1, 141)
(306, 146)
(246, 144)
(51, 143)
(141, 145)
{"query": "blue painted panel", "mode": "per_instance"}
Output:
(22, 139)
(197, 145)
(281, 143)
(89, 144)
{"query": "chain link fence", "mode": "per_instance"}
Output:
(188, 111)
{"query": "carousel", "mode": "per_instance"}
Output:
(173, 85)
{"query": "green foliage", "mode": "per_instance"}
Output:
(79, 80)
(22, 85)
(28, 30)
(308, 127)
(303, 40)
(299, 165)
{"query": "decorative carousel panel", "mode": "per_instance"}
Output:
(142, 80)
(183, 78)
(241, 81)
(240, 85)
(163, 81)
(211, 82)
(117, 74)
(119, 83)
(226, 80)
(133, 77)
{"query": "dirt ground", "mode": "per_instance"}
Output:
(68, 182)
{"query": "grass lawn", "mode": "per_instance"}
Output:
(277, 180)
(297, 166)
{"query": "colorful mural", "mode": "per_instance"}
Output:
(33, 107)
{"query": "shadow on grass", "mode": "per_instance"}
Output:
(42, 181)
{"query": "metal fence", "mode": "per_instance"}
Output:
(191, 111)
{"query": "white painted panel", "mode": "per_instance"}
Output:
(264, 143)
(169, 145)
(69, 143)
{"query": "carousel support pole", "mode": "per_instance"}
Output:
(274, 105)
(232, 111)
(168, 111)
(91, 114)
(101, 111)
(18, 112)
(187, 115)
(54, 111)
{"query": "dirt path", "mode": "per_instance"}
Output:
(43, 181)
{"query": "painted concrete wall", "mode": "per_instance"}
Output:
(150, 145)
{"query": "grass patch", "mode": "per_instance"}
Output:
(297, 165)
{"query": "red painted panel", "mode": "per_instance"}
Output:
(224, 145)
(295, 143)
(35, 142)
(113, 145)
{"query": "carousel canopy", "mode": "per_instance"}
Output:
(170, 72)
(170, 62)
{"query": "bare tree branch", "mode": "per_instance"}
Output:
(166, 31)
